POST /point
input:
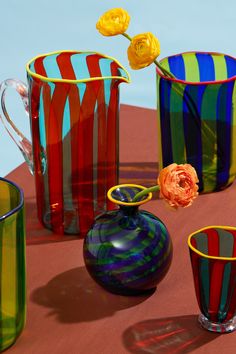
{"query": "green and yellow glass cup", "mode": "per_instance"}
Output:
(12, 263)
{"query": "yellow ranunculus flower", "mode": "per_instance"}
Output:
(113, 22)
(143, 50)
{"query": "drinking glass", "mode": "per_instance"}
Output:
(213, 258)
(12, 263)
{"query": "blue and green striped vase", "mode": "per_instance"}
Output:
(197, 116)
(128, 251)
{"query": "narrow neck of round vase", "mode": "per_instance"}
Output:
(129, 210)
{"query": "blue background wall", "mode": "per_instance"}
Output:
(32, 27)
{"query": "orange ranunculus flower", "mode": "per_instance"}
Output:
(143, 50)
(113, 22)
(178, 185)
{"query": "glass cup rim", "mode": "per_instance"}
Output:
(203, 254)
(185, 82)
(21, 202)
(71, 81)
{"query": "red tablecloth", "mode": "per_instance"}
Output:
(69, 313)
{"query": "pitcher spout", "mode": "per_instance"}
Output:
(118, 72)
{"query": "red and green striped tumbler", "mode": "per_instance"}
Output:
(12, 263)
(197, 116)
(73, 103)
(213, 258)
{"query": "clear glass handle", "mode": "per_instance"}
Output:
(21, 141)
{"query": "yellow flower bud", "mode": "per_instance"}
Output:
(113, 22)
(143, 50)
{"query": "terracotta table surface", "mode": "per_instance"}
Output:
(69, 313)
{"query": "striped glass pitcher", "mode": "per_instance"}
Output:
(197, 116)
(73, 103)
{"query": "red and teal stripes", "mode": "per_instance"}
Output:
(197, 118)
(213, 257)
(74, 110)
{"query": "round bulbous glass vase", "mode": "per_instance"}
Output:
(128, 251)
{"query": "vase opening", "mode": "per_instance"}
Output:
(200, 67)
(123, 194)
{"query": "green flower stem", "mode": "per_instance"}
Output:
(165, 72)
(145, 192)
(127, 36)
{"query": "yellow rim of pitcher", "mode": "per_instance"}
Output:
(50, 79)
(203, 254)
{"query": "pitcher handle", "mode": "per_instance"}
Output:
(21, 141)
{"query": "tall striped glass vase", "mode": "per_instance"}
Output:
(73, 102)
(197, 116)
(128, 251)
(213, 258)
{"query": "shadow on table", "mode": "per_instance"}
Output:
(169, 335)
(74, 297)
(132, 172)
(35, 232)
(138, 173)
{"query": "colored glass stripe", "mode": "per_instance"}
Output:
(100, 149)
(192, 129)
(55, 156)
(231, 299)
(206, 67)
(51, 68)
(112, 136)
(80, 66)
(220, 67)
(44, 109)
(209, 137)
(226, 243)
(176, 65)
(105, 66)
(216, 280)
(205, 286)
(35, 90)
(224, 292)
(159, 133)
(213, 242)
(165, 122)
(65, 67)
(233, 138)
(42, 131)
(177, 124)
(231, 66)
(224, 123)
(39, 67)
(191, 68)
